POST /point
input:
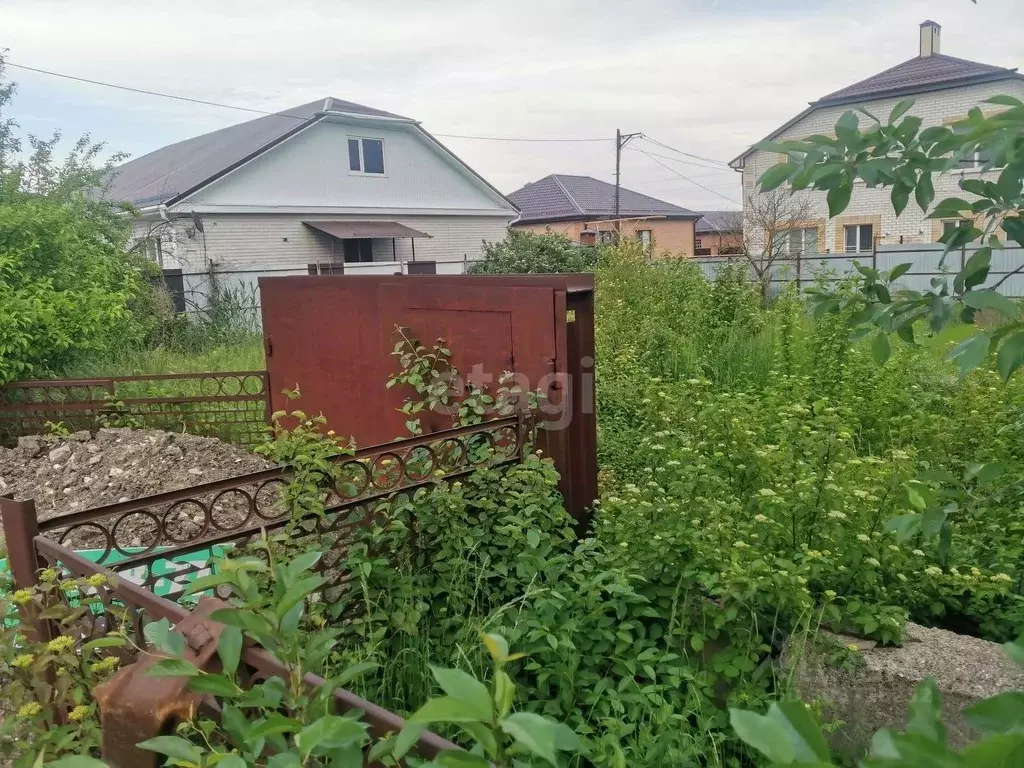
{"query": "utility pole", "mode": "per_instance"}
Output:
(621, 140)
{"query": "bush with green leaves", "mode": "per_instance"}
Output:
(67, 287)
(524, 252)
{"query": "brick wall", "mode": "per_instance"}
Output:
(874, 205)
(675, 236)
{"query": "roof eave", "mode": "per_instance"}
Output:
(514, 208)
(605, 216)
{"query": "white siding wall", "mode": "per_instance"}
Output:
(311, 170)
(936, 108)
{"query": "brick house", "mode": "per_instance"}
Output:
(583, 209)
(719, 233)
(944, 89)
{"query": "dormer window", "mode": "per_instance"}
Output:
(366, 155)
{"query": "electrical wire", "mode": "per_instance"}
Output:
(687, 178)
(661, 144)
(263, 111)
(690, 162)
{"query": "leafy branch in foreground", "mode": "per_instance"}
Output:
(905, 158)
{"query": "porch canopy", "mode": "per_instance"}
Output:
(344, 230)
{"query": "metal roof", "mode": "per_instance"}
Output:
(171, 172)
(719, 221)
(363, 229)
(560, 197)
(921, 73)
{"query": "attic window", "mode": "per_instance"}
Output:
(366, 156)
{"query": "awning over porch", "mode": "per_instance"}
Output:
(365, 229)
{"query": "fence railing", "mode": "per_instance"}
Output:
(233, 406)
(926, 262)
(149, 550)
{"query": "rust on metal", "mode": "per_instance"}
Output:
(135, 706)
(335, 336)
(230, 405)
(21, 527)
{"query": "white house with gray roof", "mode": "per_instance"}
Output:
(323, 188)
(944, 89)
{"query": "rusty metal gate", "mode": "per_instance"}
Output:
(333, 337)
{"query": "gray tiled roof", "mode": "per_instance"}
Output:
(921, 73)
(719, 221)
(559, 197)
(171, 171)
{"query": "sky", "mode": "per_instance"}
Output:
(703, 77)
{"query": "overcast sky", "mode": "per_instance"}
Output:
(707, 77)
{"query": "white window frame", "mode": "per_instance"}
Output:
(860, 247)
(646, 242)
(696, 243)
(362, 160)
(804, 234)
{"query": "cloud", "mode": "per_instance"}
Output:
(705, 76)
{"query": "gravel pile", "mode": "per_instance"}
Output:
(85, 470)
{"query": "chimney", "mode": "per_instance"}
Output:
(930, 32)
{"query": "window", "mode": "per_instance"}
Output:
(325, 269)
(696, 243)
(422, 267)
(802, 240)
(974, 159)
(607, 236)
(644, 236)
(151, 248)
(358, 249)
(174, 282)
(366, 156)
(858, 237)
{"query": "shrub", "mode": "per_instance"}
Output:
(523, 252)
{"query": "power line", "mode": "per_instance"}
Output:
(690, 162)
(221, 105)
(687, 178)
(686, 154)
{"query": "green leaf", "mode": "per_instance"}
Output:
(173, 668)
(407, 739)
(331, 732)
(164, 638)
(899, 196)
(1010, 355)
(768, 737)
(899, 270)
(1015, 650)
(880, 347)
(924, 192)
(971, 352)
(204, 583)
(284, 760)
(214, 685)
(925, 716)
(497, 646)
(804, 732)
(273, 724)
(987, 299)
(451, 758)
(775, 176)
(446, 710)
(229, 648)
(78, 761)
(1006, 101)
(1004, 712)
(904, 526)
(1001, 751)
(174, 747)
(1014, 227)
(839, 197)
(541, 736)
(232, 761)
(466, 688)
(899, 110)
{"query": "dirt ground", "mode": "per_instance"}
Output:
(84, 470)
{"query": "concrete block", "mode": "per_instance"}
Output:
(874, 692)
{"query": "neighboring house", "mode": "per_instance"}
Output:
(326, 187)
(719, 233)
(583, 209)
(944, 89)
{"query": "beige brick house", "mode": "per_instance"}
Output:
(583, 209)
(944, 89)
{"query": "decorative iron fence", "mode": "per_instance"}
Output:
(149, 550)
(233, 406)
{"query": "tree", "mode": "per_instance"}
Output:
(523, 252)
(67, 287)
(905, 158)
(768, 222)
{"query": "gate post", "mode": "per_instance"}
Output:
(21, 526)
